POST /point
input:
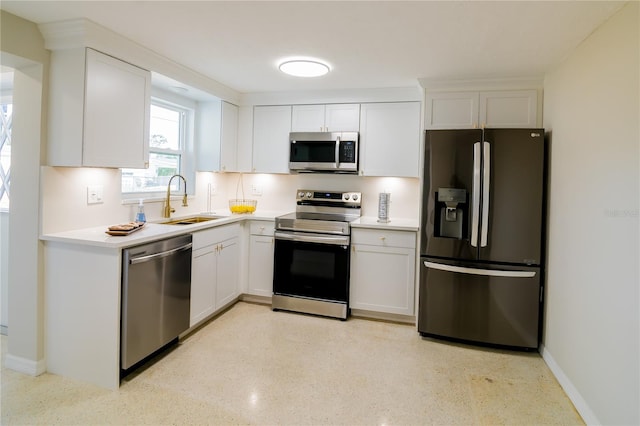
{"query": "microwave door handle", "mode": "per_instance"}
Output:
(338, 152)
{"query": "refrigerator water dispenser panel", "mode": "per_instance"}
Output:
(453, 204)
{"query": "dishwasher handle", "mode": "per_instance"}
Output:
(149, 257)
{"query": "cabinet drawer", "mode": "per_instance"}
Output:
(383, 238)
(262, 228)
(214, 235)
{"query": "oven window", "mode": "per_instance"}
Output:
(313, 264)
(319, 271)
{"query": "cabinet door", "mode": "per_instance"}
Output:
(245, 139)
(116, 113)
(307, 118)
(452, 110)
(342, 117)
(382, 279)
(390, 139)
(227, 272)
(216, 136)
(509, 109)
(229, 138)
(208, 136)
(203, 285)
(271, 128)
(261, 265)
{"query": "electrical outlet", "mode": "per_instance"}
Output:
(95, 194)
(213, 190)
(256, 190)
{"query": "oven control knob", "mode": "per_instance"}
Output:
(309, 194)
(355, 197)
(300, 194)
(346, 197)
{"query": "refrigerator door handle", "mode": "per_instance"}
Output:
(485, 272)
(486, 186)
(475, 206)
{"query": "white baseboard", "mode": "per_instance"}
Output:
(383, 316)
(572, 392)
(25, 366)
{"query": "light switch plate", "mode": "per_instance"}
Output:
(256, 190)
(95, 194)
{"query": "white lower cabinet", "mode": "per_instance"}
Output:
(261, 258)
(214, 270)
(203, 289)
(383, 271)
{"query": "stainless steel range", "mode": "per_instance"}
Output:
(312, 253)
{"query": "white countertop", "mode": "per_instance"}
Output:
(152, 231)
(394, 224)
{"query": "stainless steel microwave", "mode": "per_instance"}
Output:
(335, 152)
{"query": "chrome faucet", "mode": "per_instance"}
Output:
(167, 204)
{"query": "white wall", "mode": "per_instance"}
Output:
(64, 195)
(4, 271)
(22, 48)
(591, 331)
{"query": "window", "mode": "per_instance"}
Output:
(168, 130)
(6, 112)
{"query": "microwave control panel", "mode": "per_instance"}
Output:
(347, 152)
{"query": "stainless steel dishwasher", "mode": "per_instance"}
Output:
(156, 292)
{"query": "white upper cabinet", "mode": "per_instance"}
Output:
(271, 128)
(98, 111)
(456, 110)
(325, 118)
(217, 125)
(390, 139)
(507, 109)
(469, 110)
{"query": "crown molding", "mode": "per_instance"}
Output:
(493, 83)
(82, 33)
(66, 34)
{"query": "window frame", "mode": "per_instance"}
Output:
(5, 185)
(187, 108)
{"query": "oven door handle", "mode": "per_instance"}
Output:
(338, 240)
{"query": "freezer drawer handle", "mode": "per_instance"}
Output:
(486, 272)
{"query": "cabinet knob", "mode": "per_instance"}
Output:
(262, 228)
(383, 238)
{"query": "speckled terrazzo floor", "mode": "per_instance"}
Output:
(255, 366)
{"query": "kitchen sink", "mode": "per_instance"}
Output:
(191, 220)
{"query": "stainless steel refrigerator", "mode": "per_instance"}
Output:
(482, 236)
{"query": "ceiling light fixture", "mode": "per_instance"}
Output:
(304, 68)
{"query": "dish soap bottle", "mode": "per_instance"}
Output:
(140, 216)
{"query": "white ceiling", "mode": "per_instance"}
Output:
(369, 44)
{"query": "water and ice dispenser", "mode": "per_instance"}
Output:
(451, 213)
